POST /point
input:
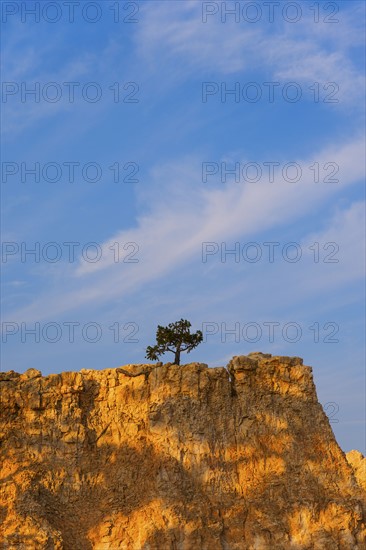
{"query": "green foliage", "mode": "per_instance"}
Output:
(176, 337)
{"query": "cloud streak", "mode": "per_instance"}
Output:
(234, 49)
(171, 234)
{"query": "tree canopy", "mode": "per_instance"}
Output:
(176, 338)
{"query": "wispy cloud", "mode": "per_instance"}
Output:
(172, 233)
(347, 231)
(234, 49)
(29, 61)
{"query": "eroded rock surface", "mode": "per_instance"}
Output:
(358, 464)
(180, 458)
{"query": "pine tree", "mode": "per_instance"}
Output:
(177, 338)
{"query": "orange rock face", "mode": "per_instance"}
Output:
(179, 458)
(358, 464)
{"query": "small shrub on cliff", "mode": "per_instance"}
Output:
(176, 337)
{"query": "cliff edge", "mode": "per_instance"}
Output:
(178, 458)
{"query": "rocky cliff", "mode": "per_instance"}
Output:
(358, 464)
(178, 458)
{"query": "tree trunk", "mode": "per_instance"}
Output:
(177, 357)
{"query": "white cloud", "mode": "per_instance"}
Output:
(172, 38)
(183, 215)
(304, 52)
(32, 59)
(347, 231)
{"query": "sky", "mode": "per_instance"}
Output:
(186, 159)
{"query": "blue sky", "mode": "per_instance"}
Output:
(277, 179)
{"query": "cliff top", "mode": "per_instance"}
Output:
(236, 364)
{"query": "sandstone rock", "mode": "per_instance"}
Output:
(8, 376)
(358, 464)
(31, 373)
(184, 458)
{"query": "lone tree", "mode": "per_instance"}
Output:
(176, 337)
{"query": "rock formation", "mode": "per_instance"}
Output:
(358, 464)
(179, 458)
